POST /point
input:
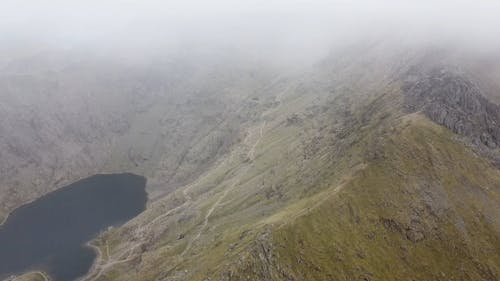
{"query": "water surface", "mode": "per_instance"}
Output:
(50, 234)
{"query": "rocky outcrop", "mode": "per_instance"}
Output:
(450, 99)
(261, 262)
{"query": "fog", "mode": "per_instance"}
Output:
(277, 30)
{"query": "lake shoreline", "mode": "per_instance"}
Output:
(69, 219)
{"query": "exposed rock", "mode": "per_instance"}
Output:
(450, 99)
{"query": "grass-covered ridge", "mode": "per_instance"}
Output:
(426, 209)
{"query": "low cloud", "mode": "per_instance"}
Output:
(281, 30)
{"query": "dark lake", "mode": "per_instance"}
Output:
(51, 233)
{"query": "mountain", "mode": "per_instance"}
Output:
(67, 116)
(381, 162)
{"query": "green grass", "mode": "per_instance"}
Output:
(344, 237)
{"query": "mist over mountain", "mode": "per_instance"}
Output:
(280, 140)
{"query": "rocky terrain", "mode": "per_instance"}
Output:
(67, 117)
(450, 99)
(376, 164)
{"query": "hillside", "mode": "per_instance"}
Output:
(67, 116)
(381, 162)
(372, 166)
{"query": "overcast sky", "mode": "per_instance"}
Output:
(277, 25)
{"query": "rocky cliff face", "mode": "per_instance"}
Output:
(456, 103)
(451, 99)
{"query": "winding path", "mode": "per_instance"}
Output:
(44, 276)
(251, 156)
(109, 264)
(100, 269)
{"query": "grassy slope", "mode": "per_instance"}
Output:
(426, 209)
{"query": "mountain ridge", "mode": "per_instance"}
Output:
(347, 171)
